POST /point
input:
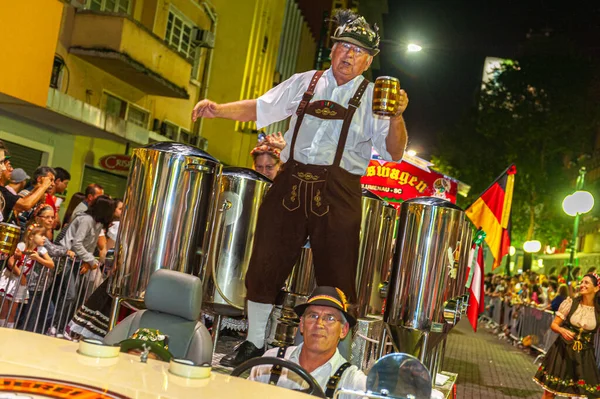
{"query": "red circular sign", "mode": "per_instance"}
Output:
(116, 162)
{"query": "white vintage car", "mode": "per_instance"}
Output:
(37, 366)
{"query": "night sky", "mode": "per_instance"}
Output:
(443, 79)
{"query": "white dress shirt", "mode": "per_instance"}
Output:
(352, 378)
(318, 138)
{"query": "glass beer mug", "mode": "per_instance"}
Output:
(386, 96)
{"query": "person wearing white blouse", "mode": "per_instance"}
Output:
(569, 367)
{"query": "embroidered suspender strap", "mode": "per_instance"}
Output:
(353, 104)
(301, 110)
(309, 93)
(276, 370)
(335, 380)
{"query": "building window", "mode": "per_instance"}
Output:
(120, 6)
(115, 106)
(179, 34)
(169, 130)
(184, 136)
(122, 109)
(138, 116)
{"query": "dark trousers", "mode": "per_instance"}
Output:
(320, 202)
(42, 310)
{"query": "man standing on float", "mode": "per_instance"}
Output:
(318, 194)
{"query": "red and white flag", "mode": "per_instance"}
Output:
(477, 290)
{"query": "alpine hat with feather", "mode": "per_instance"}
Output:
(327, 296)
(353, 28)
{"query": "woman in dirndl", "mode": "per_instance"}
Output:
(569, 368)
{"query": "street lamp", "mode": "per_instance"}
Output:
(530, 247)
(576, 204)
(413, 48)
(399, 44)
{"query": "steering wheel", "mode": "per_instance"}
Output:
(313, 389)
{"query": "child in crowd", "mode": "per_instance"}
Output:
(13, 282)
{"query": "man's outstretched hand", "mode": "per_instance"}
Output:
(205, 109)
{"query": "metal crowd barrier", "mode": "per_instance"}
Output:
(54, 295)
(497, 311)
(527, 321)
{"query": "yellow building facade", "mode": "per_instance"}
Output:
(91, 78)
(253, 36)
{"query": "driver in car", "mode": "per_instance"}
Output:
(324, 322)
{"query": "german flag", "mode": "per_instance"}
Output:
(491, 212)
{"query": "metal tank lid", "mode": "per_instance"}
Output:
(182, 149)
(371, 195)
(245, 173)
(432, 201)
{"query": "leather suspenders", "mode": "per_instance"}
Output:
(332, 383)
(353, 104)
(301, 110)
(276, 369)
(334, 380)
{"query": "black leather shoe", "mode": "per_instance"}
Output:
(247, 350)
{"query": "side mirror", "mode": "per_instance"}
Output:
(395, 376)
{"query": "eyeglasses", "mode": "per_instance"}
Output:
(327, 319)
(346, 47)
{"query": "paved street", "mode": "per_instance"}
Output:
(488, 367)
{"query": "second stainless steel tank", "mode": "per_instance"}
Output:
(167, 209)
(240, 196)
(424, 263)
(428, 234)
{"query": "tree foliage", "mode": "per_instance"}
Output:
(541, 113)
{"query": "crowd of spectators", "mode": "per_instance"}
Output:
(534, 289)
(86, 233)
(508, 298)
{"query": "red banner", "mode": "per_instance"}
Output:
(398, 182)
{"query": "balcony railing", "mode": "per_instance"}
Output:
(79, 111)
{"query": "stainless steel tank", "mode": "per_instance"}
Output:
(168, 206)
(428, 235)
(241, 192)
(375, 251)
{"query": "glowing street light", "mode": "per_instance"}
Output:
(413, 48)
(579, 202)
(576, 204)
(411, 153)
(532, 246)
